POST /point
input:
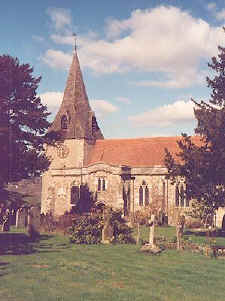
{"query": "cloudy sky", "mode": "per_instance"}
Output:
(142, 60)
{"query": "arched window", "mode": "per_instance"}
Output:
(103, 184)
(146, 196)
(177, 194)
(75, 195)
(140, 196)
(182, 196)
(64, 122)
(99, 184)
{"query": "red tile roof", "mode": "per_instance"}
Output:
(140, 152)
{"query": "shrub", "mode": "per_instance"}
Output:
(121, 231)
(86, 229)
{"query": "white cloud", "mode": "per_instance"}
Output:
(167, 115)
(102, 107)
(52, 100)
(60, 18)
(176, 80)
(123, 100)
(57, 59)
(163, 39)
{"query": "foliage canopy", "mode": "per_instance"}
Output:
(202, 165)
(23, 122)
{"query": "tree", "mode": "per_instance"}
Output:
(201, 162)
(23, 122)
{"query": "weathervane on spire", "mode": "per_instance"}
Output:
(75, 41)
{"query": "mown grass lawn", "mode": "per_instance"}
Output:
(53, 269)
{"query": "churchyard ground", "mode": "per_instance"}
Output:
(55, 270)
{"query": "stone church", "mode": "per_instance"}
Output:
(121, 173)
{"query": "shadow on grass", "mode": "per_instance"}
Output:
(21, 244)
(217, 233)
(15, 244)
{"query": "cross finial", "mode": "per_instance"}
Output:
(75, 41)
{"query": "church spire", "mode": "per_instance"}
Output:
(75, 119)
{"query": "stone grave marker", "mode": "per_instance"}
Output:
(6, 221)
(21, 217)
(151, 247)
(152, 230)
(107, 231)
(180, 230)
(34, 222)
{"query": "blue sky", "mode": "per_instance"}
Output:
(142, 61)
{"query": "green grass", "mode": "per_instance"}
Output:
(56, 270)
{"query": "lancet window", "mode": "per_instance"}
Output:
(140, 196)
(144, 194)
(64, 122)
(101, 184)
(180, 198)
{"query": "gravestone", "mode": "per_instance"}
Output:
(33, 226)
(6, 221)
(152, 230)
(21, 217)
(107, 231)
(180, 230)
(151, 247)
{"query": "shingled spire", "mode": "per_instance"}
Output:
(75, 119)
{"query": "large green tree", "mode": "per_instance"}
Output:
(23, 122)
(202, 164)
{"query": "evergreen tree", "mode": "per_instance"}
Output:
(201, 164)
(23, 122)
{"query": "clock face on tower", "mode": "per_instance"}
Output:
(62, 151)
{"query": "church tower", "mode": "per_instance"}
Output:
(78, 128)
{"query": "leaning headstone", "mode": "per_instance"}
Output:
(21, 217)
(33, 222)
(6, 221)
(107, 231)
